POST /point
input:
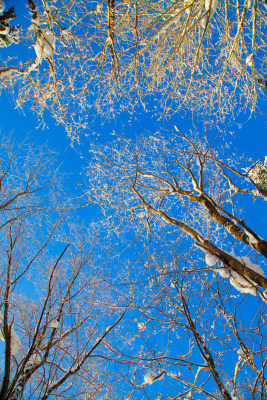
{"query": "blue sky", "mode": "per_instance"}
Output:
(247, 134)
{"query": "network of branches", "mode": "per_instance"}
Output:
(80, 321)
(162, 295)
(181, 181)
(110, 56)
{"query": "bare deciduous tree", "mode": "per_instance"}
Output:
(199, 341)
(168, 327)
(59, 311)
(182, 182)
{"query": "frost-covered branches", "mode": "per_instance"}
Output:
(111, 56)
(197, 333)
(58, 309)
(61, 329)
(179, 182)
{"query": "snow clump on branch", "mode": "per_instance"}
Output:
(152, 376)
(45, 45)
(210, 259)
(54, 324)
(249, 60)
(210, 9)
(211, 5)
(240, 283)
(15, 342)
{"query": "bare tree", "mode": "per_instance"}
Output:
(182, 182)
(204, 55)
(58, 308)
(75, 325)
(197, 339)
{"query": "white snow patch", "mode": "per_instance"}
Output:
(241, 353)
(254, 267)
(5, 31)
(15, 342)
(99, 8)
(210, 259)
(195, 186)
(142, 214)
(204, 20)
(150, 377)
(45, 46)
(241, 284)
(2, 337)
(211, 6)
(249, 60)
(34, 359)
(189, 395)
(109, 40)
(54, 324)
(223, 272)
(141, 326)
(252, 238)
